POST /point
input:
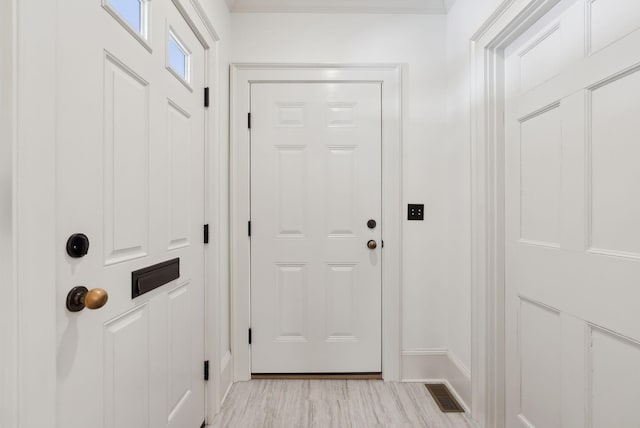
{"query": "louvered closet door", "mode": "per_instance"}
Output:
(315, 183)
(573, 218)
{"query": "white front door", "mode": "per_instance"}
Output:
(130, 176)
(573, 218)
(315, 186)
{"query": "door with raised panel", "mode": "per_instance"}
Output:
(315, 255)
(130, 176)
(572, 216)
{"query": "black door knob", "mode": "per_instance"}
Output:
(371, 224)
(78, 245)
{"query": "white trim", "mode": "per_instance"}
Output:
(226, 377)
(345, 9)
(413, 7)
(204, 18)
(420, 352)
(390, 76)
(511, 19)
(431, 365)
(464, 370)
(9, 302)
(34, 225)
(213, 250)
(197, 19)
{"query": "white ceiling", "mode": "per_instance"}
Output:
(341, 6)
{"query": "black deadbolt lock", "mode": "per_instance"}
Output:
(371, 224)
(78, 245)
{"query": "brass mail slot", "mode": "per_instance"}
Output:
(152, 277)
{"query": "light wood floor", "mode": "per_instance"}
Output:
(333, 404)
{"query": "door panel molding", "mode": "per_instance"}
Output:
(390, 75)
(510, 20)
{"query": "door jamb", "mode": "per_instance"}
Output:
(242, 75)
(511, 19)
(9, 302)
(196, 18)
(33, 234)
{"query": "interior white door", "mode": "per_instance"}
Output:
(130, 176)
(315, 183)
(572, 216)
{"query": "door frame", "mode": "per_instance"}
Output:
(28, 321)
(510, 20)
(390, 76)
(8, 147)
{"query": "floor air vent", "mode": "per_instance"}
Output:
(444, 398)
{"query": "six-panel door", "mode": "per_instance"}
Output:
(315, 183)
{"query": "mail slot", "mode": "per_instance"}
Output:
(152, 277)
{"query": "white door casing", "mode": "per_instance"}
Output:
(242, 78)
(8, 305)
(315, 183)
(572, 209)
(130, 175)
(510, 19)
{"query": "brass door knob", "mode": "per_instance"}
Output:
(80, 297)
(372, 245)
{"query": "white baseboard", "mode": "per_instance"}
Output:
(438, 365)
(226, 376)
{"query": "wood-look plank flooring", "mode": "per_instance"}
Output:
(333, 404)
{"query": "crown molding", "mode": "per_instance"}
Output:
(334, 6)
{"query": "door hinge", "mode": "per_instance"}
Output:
(249, 120)
(206, 96)
(204, 424)
(382, 242)
(249, 227)
(206, 233)
(249, 336)
(206, 370)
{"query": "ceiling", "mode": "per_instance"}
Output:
(341, 6)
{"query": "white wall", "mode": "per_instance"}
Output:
(417, 41)
(463, 19)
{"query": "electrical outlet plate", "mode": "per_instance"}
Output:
(415, 212)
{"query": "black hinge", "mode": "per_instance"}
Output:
(204, 423)
(249, 120)
(383, 244)
(206, 234)
(206, 370)
(206, 96)
(249, 227)
(249, 336)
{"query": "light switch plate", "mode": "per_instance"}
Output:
(415, 212)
